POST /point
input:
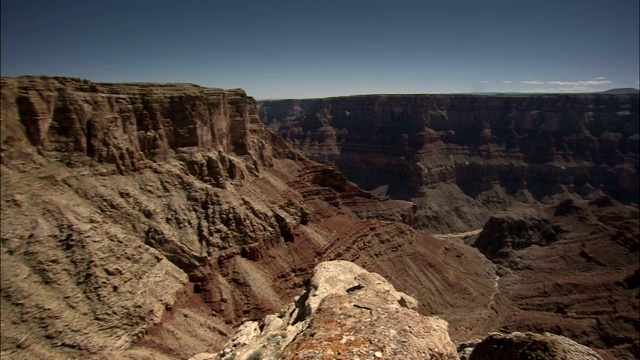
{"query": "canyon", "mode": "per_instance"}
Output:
(150, 221)
(546, 186)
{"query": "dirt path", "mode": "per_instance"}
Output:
(495, 292)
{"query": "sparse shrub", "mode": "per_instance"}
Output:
(256, 354)
(282, 313)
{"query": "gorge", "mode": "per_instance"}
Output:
(533, 175)
(152, 220)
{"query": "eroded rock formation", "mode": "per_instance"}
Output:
(151, 220)
(550, 183)
(460, 158)
(568, 270)
(147, 220)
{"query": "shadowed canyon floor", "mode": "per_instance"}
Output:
(151, 220)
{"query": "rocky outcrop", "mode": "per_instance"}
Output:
(149, 220)
(550, 183)
(529, 346)
(461, 158)
(504, 233)
(347, 312)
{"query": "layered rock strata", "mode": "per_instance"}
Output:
(460, 158)
(540, 177)
(148, 220)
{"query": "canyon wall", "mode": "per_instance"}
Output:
(460, 158)
(149, 220)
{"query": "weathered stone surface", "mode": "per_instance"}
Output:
(530, 346)
(525, 172)
(347, 312)
(125, 206)
(466, 348)
(342, 277)
(148, 221)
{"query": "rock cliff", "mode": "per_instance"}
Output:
(149, 220)
(460, 158)
(546, 186)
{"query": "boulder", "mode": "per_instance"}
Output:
(530, 346)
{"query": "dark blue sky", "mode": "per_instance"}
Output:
(303, 48)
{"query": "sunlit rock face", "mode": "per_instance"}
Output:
(150, 220)
(348, 312)
(482, 152)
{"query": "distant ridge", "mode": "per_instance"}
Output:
(621, 91)
(610, 91)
